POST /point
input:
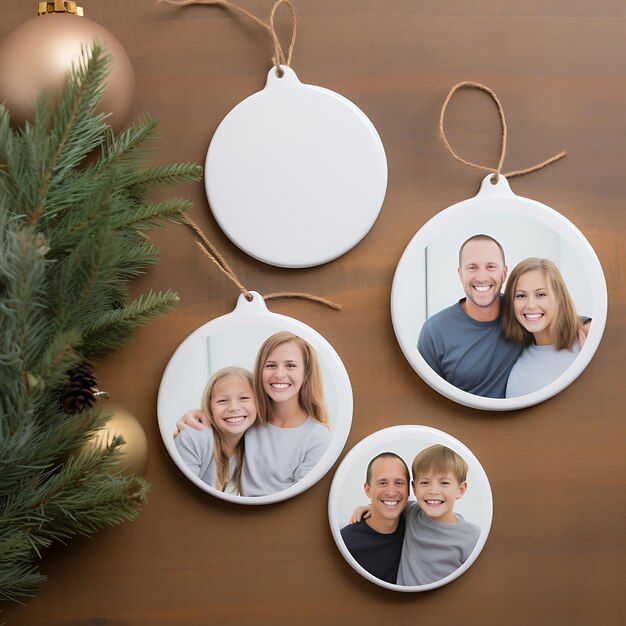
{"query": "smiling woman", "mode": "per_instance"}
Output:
(283, 373)
(533, 303)
(539, 314)
(294, 434)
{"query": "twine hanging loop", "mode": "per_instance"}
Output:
(498, 169)
(212, 253)
(279, 58)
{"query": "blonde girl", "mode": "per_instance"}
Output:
(293, 433)
(216, 454)
(539, 313)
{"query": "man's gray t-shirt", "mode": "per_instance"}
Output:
(196, 449)
(433, 550)
(473, 356)
(276, 458)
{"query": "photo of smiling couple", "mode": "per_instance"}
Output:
(502, 345)
(259, 433)
(417, 542)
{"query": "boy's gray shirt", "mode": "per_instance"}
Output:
(433, 550)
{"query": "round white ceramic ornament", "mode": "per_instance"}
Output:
(427, 282)
(234, 340)
(473, 506)
(295, 174)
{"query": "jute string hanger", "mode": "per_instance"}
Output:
(498, 169)
(279, 58)
(212, 253)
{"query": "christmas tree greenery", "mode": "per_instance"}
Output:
(73, 199)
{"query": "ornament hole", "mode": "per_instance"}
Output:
(280, 72)
(494, 179)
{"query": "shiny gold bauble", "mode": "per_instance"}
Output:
(38, 54)
(133, 457)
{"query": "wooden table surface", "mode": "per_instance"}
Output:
(556, 552)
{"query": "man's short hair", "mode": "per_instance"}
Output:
(385, 455)
(440, 459)
(481, 237)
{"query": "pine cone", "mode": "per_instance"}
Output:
(78, 394)
(76, 399)
(83, 375)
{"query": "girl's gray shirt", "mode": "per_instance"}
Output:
(196, 449)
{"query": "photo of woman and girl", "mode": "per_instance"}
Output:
(258, 434)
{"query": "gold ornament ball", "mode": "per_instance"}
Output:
(133, 457)
(38, 54)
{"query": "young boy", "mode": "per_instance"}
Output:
(437, 540)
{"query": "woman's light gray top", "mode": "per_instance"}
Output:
(276, 458)
(538, 366)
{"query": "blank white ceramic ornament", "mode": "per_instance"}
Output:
(295, 174)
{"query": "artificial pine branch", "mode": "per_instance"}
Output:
(125, 145)
(69, 247)
(121, 322)
(152, 215)
(72, 133)
(174, 174)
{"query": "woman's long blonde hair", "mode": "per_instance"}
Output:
(565, 324)
(311, 396)
(220, 454)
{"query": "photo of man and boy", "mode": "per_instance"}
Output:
(412, 543)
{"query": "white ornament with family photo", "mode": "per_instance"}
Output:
(255, 407)
(499, 302)
(410, 508)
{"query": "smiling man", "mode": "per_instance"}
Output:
(376, 542)
(465, 343)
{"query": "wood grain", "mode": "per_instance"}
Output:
(556, 554)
